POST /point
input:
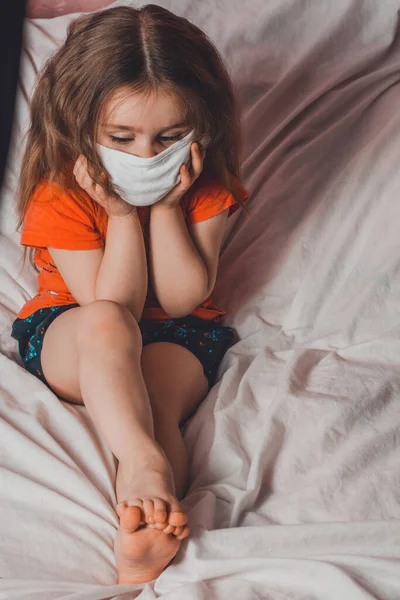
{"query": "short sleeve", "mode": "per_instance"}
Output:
(57, 218)
(211, 198)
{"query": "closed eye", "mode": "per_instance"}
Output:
(118, 140)
(162, 139)
(172, 138)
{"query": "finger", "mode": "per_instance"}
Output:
(90, 181)
(184, 184)
(197, 160)
(81, 171)
(79, 176)
(78, 165)
(87, 183)
(99, 194)
(83, 164)
(186, 179)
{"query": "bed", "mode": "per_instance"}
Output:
(295, 453)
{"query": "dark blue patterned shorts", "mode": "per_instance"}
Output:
(207, 340)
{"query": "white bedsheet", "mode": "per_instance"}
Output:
(295, 454)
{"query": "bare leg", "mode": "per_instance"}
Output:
(91, 354)
(176, 384)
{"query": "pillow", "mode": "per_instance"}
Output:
(44, 9)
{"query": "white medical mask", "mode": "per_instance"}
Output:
(144, 181)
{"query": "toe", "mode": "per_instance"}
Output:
(160, 511)
(148, 509)
(130, 518)
(120, 508)
(136, 502)
(178, 531)
(177, 518)
(184, 534)
(161, 526)
(169, 529)
(139, 503)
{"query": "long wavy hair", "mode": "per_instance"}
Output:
(144, 49)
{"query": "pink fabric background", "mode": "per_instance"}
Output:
(39, 9)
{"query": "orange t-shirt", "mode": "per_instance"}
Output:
(58, 218)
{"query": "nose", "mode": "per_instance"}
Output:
(145, 149)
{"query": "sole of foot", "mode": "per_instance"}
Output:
(142, 552)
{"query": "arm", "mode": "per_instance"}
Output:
(183, 264)
(122, 276)
(117, 272)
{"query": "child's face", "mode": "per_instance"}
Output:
(142, 124)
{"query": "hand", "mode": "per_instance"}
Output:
(173, 197)
(114, 205)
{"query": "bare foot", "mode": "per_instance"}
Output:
(152, 522)
(141, 552)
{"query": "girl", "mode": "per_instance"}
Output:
(128, 178)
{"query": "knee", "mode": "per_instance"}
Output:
(109, 321)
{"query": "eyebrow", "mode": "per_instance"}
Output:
(128, 128)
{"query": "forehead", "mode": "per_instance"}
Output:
(143, 110)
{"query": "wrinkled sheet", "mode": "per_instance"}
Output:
(294, 454)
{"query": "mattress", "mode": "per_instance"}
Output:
(294, 454)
